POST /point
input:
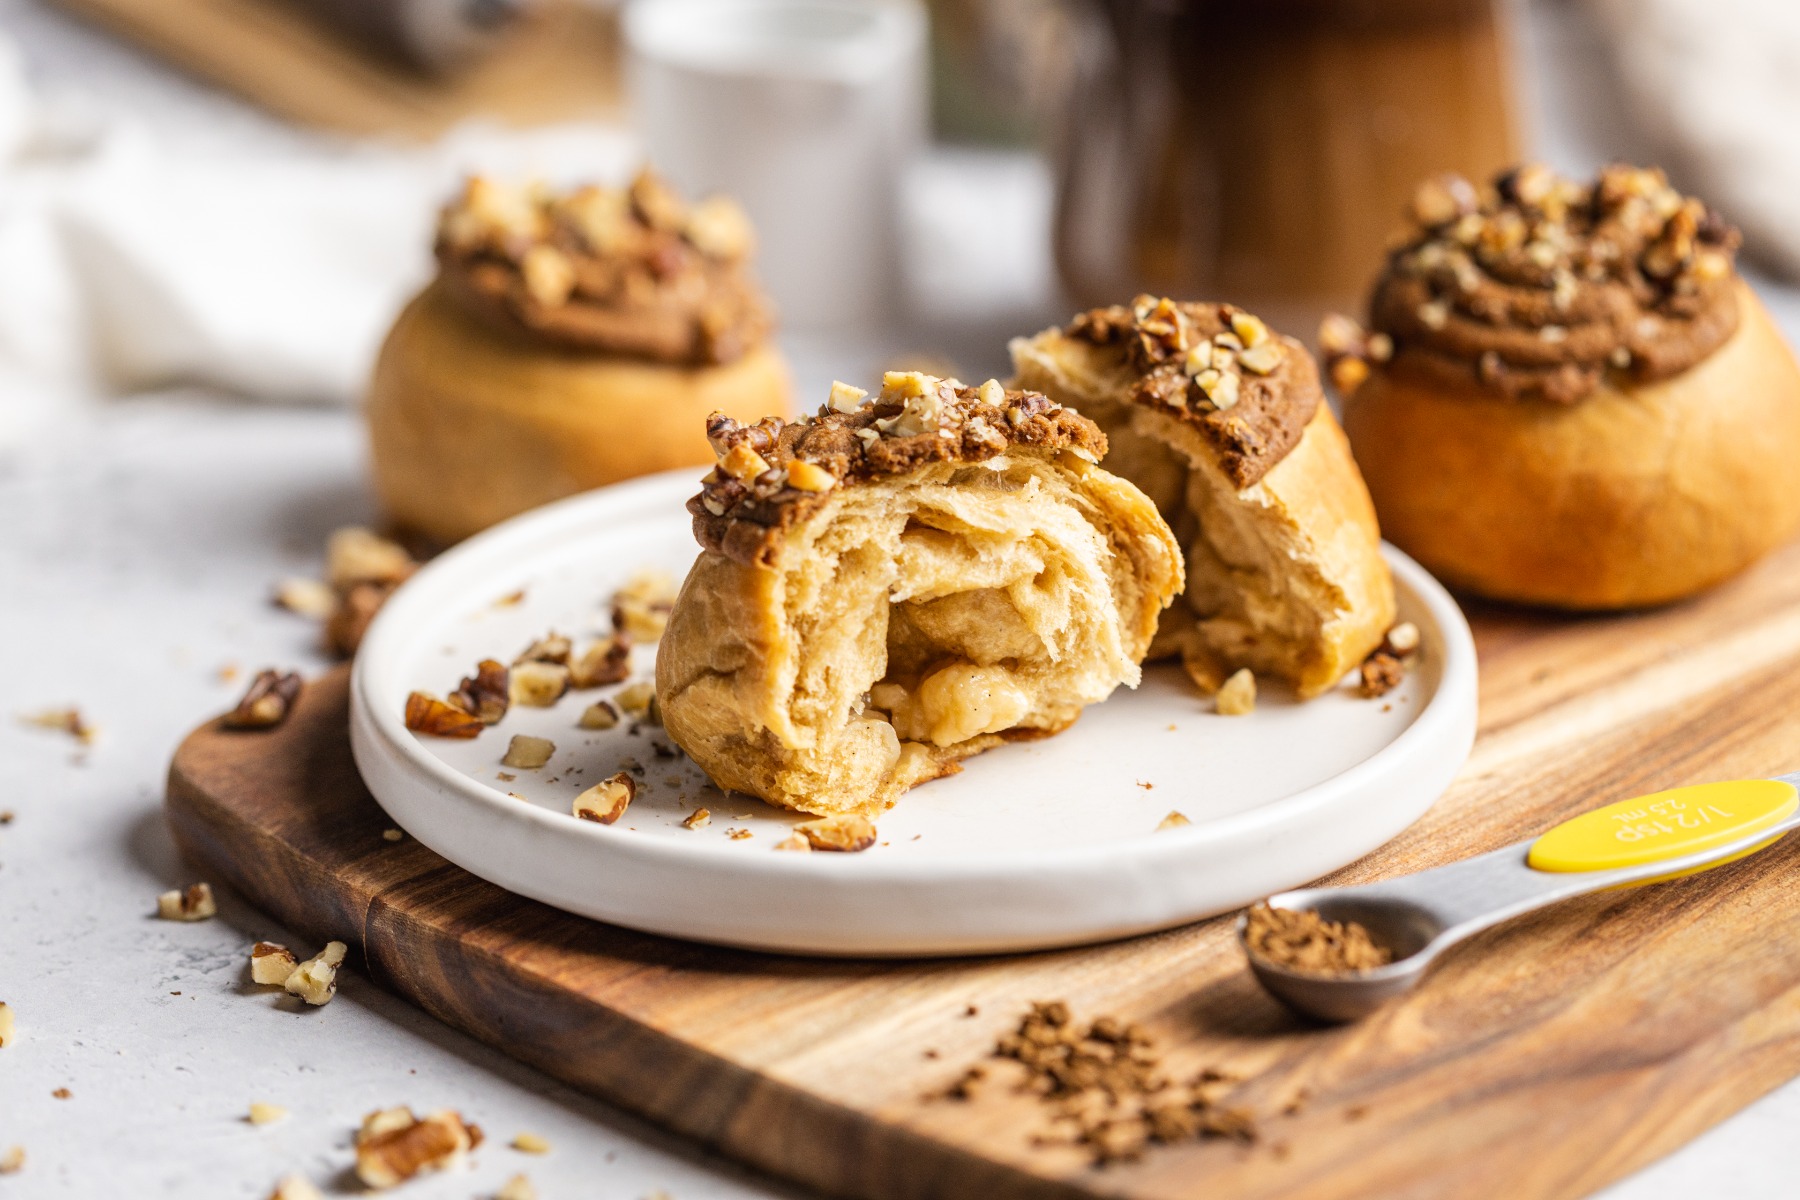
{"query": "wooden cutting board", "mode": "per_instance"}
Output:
(1545, 1059)
(561, 65)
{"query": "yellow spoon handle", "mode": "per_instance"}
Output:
(1665, 825)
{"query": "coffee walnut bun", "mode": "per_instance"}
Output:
(569, 340)
(1567, 396)
(900, 582)
(1221, 421)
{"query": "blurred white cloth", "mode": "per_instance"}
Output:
(1716, 84)
(128, 265)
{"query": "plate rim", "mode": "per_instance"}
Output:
(387, 637)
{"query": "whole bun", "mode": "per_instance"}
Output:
(569, 341)
(1568, 397)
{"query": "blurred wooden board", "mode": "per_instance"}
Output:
(561, 65)
(1543, 1060)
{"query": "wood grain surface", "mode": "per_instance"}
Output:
(1546, 1058)
(561, 65)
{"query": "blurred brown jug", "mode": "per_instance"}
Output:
(1263, 152)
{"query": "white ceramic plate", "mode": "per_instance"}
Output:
(1037, 844)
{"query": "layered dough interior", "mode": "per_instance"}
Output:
(915, 621)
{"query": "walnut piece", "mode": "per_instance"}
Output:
(700, 818)
(530, 1143)
(12, 1161)
(846, 833)
(600, 715)
(306, 597)
(266, 704)
(636, 700)
(393, 1146)
(193, 903)
(315, 980)
(1175, 820)
(427, 714)
(607, 660)
(8, 1028)
(346, 627)
(355, 555)
(553, 647)
(794, 841)
(641, 608)
(1237, 696)
(517, 1188)
(296, 1187)
(266, 1114)
(485, 695)
(607, 800)
(528, 752)
(538, 684)
(271, 963)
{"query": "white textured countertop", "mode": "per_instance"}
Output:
(137, 546)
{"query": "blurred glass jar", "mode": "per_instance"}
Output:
(1264, 152)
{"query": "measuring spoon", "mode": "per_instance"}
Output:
(1661, 836)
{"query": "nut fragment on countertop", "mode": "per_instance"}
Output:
(700, 818)
(307, 597)
(641, 608)
(606, 660)
(844, 832)
(528, 752)
(607, 800)
(487, 693)
(636, 700)
(1237, 695)
(266, 703)
(356, 555)
(8, 1029)
(62, 720)
(427, 714)
(271, 963)
(265, 1114)
(192, 903)
(519, 1187)
(1175, 820)
(296, 1187)
(393, 1146)
(600, 715)
(538, 684)
(315, 980)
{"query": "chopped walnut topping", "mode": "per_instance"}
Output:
(606, 660)
(8, 1028)
(607, 800)
(315, 980)
(1237, 696)
(393, 1145)
(599, 715)
(530, 1143)
(700, 818)
(528, 752)
(718, 227)
(192, 903)
(636, 699)
(296, 1187)
(266, 1114)
(742, 463)
(63, 720)
(538, 684)
(1175, 820)
(845, 832)
(844, 398)
(427, 714)
(487, 694)
(307, 597)
(267, 703)
(271, 964)
(641, 608)
(548, 275)
(809, 477)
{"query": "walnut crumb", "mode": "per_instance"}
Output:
(306, 597)
(391, 835)
(600, 715)
(315, 980)
(527, 752)
(265, 1114)
(700, 818)
(192, 903)
(519, 1187)
(607, 800)
(607, 660)
(62, 720)
(8, 1028)
(537, 684)
(266, 704)
(12, 1161)
(427, 714)
(530, 1143)
(845, 833)
(393, 1145)
(1175, 820)
(794, 841)
(271, 963)
(636, 700)
(1237, 695)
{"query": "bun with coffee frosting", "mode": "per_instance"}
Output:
(570, 340)
(1567, 396)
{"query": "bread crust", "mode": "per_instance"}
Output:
(1639, 494)
(470, 423)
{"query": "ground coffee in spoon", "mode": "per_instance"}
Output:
(1303, 941)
